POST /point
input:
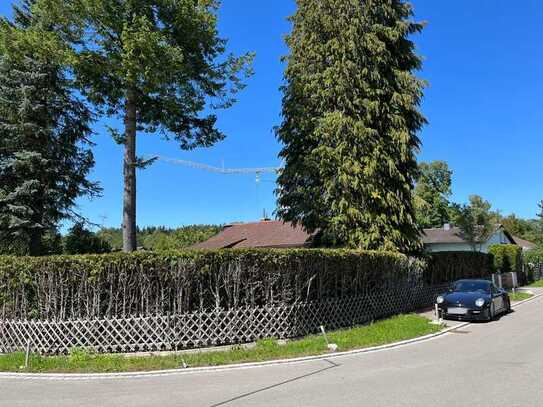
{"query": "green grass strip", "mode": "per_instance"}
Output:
(538, 283)
(519, 296)
(80, 361)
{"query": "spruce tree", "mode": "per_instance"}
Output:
(350, 122)
(44, 140)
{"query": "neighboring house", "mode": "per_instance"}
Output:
(450, 239)
(264, 234)
(279, 234)
(525, 244)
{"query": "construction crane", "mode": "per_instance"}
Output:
(220, 170)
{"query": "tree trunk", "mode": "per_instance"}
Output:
(35, 242)
(129, 197)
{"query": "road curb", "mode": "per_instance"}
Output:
(241, 366)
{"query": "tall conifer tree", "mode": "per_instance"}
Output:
(350, 122)
(158, 65)
(44, 140)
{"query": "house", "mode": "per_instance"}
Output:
(450, 238)
(279, 234)
(263, 234)
(525, 244)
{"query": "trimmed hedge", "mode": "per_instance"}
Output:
(507, 258)
(446, 267)
(148, 283)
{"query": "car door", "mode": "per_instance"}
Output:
(497, 298)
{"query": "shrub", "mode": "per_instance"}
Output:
(118, 284)
(507, 258)
(147, 283)
(534, 256)
(445, 267)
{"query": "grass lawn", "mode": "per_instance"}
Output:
(79, 361)
(520, 296)
(538, 283)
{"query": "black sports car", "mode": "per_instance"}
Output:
(473, 300)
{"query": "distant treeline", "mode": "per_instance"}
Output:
(161, 237)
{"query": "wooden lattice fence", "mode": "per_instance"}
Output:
(209, 328)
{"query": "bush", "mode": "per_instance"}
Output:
(507, 258)
(82, 241)
(445, 267)
(534, 256)
(147, 283)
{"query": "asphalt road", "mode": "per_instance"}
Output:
(485, 364)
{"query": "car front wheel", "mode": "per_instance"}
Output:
(491, 312)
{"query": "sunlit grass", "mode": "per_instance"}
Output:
(80, 361)
(520, 296)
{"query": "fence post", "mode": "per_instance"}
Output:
(27, 353)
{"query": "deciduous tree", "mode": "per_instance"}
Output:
(432, 192)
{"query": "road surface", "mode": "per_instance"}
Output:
(485, 364)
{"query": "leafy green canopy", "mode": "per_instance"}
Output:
(350, 122)
(166, 51)
(432, 192)
(476, 221)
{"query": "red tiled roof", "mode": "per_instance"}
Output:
(272, 234)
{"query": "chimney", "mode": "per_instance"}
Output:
(447, 227)
(265, 217)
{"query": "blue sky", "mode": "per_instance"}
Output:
(483, 60)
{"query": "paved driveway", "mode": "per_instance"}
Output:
(499, 363)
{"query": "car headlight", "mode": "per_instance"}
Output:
(440, 299)
(480, 302)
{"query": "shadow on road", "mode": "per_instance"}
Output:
(332, 365)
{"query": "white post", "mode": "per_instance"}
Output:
(330, 346)
(437, 320)
(27, 353)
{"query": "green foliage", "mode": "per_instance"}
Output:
(445, 267)
(162, 238)
(159, 65)
(391, 330)
(534, 256)
(507, 257)
(528, 229)
(167, 52)
(44, 142)
(475, 221)
(432, 192)
(185, 281)
(82, 241)
(350, 122)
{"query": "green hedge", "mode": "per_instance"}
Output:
(445, 267)
(147, 283)
(186, 281)
(507, 258)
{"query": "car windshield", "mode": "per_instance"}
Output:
(472, 286)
